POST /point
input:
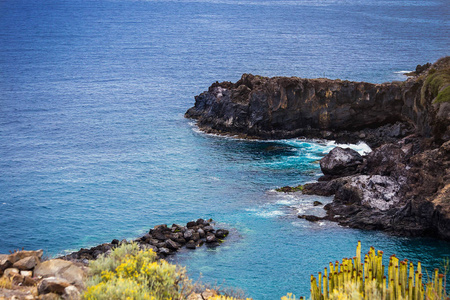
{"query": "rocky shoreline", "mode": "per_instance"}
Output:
(26, 275)
(403, 186)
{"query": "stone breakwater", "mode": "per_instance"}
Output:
(163, 240)
(403, 186)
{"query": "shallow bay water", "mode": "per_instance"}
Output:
(94, 145)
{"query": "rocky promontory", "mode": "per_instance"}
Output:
(403, 186)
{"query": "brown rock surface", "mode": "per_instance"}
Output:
(62, 269)
(27, 263)
(52, 285)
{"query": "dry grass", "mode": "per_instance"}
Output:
(5, 283)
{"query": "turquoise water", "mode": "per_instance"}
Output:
(94, 146)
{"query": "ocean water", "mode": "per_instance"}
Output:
(94, 145)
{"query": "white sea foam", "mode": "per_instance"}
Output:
(362, 148)
(308, 145)
(284, 202)
(270, 214)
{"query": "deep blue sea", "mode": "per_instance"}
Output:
(94, 145)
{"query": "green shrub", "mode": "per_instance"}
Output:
(443, 96)
(437, 86)
(130, 273)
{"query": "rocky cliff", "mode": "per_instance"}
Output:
(403, 186)
(282, 107)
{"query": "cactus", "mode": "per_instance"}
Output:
(369, 281)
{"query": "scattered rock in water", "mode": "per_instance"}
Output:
(310, 218)
(317, 203)
(290, 189)
(191, 245)
(211, 238)
(221, 233)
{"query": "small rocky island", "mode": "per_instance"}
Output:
(403, 186)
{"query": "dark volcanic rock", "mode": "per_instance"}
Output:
(188, 234)
(172, 245)
(211, 238)
(282, 107)
(340, 161)
(191, 224)
(221, 233)
(385, 160)
(409, 198)
(162, 239)
(191, 245)
(372, 191)
(310, 218)
(201, 233)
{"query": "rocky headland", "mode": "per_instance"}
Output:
(403, 186)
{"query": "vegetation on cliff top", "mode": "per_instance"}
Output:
(437, 83)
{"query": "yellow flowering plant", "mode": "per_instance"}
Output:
(138, 274)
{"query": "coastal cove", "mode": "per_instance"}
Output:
(94, 145)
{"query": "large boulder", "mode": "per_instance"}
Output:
(27, 263)
(22, 254)
(5, 262)
(61, 269)
(52, 285)
(71, 293)
(8, 260)
(341, 162)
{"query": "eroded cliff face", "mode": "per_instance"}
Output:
(281, 107)
(403, 186)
